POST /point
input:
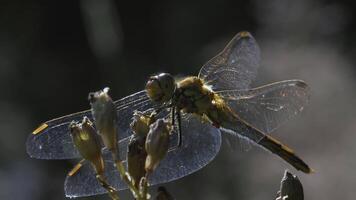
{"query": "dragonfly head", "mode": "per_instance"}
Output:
(160, 88)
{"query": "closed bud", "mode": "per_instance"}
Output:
(140, 124)
(163, 194)
(136, 157)
(136, 154)
(105, 116)
(87, 142)
(157, 143)
(291, 187)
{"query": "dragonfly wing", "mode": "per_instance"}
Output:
(53, 141)
(201, 143)
(235, 67)
(84, 182)
(126, 107)
(269, 106)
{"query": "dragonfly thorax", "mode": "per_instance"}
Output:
(192, 96)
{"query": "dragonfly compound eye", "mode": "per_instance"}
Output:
(160, 88)
(157, 143)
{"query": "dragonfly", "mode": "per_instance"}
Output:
(218, 100)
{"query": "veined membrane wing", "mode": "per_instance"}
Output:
(235, 67)
(52, 139)
(201, 143)
(269, 106)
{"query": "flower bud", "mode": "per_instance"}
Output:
(105, 116)
(163, 194)
(157, 143)
(87, 142)
(136, 154)
(136, 157)
(291, 187)
(140, 124)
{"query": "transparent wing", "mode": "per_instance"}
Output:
(269, 106)
(84, 183)
(235, 67)
(52, 139)
(201, 143)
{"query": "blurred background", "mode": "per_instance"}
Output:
(52, 53)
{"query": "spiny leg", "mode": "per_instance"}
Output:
(179, 119)
(179, 134)
(173, 110)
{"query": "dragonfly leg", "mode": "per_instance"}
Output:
(173, 115)
(179, 119)
(179, 134)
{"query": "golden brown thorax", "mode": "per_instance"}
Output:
(193, 96)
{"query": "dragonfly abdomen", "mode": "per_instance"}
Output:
(238, 126)
(285, 153)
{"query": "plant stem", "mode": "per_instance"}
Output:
(128, 179)
(111, 190)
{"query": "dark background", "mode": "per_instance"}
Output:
(52, 53)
